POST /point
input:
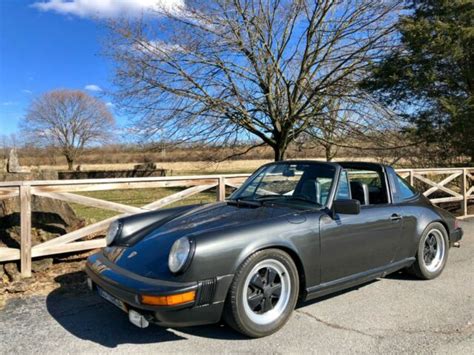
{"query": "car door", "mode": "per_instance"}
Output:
(352, 244)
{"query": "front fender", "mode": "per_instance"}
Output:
(137, 226)
(222, 254)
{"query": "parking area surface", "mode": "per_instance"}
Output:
(391, 315)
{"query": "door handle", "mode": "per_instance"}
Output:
(395, 217)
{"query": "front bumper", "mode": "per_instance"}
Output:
(455, 236)
(127, 286)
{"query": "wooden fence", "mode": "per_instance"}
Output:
(455, 185)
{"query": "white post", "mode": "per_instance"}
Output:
(221, 189)
(464, 187)
(25, 224)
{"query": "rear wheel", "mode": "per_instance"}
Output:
(263, 293)
(432, 252)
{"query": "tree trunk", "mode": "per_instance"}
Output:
(279, 153)
(70, 163)
(328, 150)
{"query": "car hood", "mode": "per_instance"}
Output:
(149, 257)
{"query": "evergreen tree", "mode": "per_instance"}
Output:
(430, 75)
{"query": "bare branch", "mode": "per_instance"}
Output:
(265, 67)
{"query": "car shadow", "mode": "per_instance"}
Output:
(87, 316)
(398, 275)
(302, 304)
(402, 276)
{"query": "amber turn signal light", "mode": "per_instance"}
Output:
(171, 300)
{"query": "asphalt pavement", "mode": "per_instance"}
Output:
(395, 314)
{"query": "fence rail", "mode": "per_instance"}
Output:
(456, 185)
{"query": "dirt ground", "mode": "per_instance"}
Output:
(42, 283)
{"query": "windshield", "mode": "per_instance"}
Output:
(308, 183)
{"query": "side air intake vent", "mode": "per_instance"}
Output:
(207, 288)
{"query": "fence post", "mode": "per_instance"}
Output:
(25, 224)
(464, 188)
(221, 189)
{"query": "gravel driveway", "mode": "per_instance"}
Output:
(391, 315)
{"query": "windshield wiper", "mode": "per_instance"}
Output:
(266, 197)
(288, 198)
(260, 200)
(302, 198)
(241, 201)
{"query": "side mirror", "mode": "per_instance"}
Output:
(346, 206)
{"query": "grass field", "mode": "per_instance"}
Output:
(134, 197)
(140, 197)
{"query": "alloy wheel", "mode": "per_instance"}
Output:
(267, 291)
(433, 250)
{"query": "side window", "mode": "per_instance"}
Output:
(405, 191)
(343, 190)
(368, 186)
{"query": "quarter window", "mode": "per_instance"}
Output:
(343, 191)
(405, 191)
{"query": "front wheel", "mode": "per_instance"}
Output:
(263, 294)
(432, 252)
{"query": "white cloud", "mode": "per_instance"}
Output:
(93, 87)
(26, 91)
(9, 103)
(108, 8)
(109, 104)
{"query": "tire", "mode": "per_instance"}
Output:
(432, 253)
(256, 306)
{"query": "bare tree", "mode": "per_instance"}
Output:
(229, 70)
(354, 121)
(69, 120)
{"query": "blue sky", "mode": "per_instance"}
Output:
(51, 44)
(41, 51)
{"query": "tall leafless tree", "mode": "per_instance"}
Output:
(356, 121)
(229, 69)
(69, 120)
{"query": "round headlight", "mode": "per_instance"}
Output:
(179, 254)
(112, 232)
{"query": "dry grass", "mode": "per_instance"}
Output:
(192, 167)
(177, 168)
